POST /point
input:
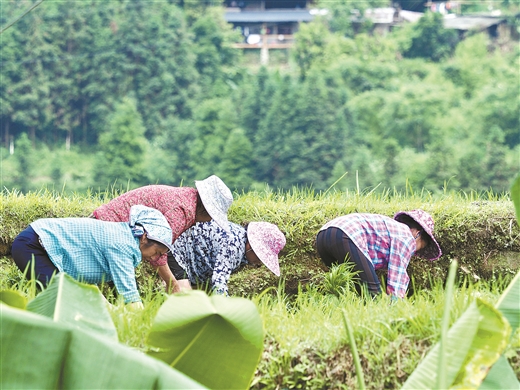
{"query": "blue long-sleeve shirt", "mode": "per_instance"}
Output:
(93, 251)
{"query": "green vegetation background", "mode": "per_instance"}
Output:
(100, 92)
(305, 344)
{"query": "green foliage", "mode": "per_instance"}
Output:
(69, 356)
(13, 298)
(501, 376)
(307, 346)
(305, 342)
(235, 168)
(216, 340)
(339, 279)
(224, 333)
(345, 98)
(515, 195)
(123, 146)
(476, 339)
(26, 163)
(430, 40)
(60, 300)
(311, 40)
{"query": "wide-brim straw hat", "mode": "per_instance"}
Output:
(216, 198)
(432, 251)
(267, 241)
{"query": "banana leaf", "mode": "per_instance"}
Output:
(515, 194)
(509, 302)
(78, 304)
(38, 353)
(215, 340)
(13, 298)
(501, 376)
(488, 345)
(474, 343)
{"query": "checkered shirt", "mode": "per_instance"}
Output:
(388, 244)
(93, 251)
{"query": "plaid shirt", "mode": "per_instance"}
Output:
(385, 242)
(177, 204)
(92, 251)
(207, 253)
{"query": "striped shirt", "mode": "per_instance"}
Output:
(207, 253)
(93, 251)
(177, 204)
(388, 244)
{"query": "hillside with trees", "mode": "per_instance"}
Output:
(97, 94)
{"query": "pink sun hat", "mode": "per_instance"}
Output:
(267, 241)
(433, 250)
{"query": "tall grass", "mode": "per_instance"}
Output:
(306, 344)
(307, 339)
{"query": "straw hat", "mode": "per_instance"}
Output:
(267, 241)
(216, 198)
(433, 250)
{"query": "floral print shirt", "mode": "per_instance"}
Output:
(177, 204)
(207, 253)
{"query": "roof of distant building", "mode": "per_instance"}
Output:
(471, 22)
(280, 16)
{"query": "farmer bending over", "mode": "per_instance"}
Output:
(94, 251)
(373, 241)
(182, 207)
(206, 253)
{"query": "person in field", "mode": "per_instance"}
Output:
(182, 207)
(205, 253)
(371, 241)
(94, 251)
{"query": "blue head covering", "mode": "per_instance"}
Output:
(146, 219)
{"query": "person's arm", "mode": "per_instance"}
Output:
(172, 285)
(399, 258)
(226, 258)
(122, 260)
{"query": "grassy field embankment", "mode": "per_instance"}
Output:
(306, 343)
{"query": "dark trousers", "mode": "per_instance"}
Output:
(335, 247)
(26, 248)
(176, 269)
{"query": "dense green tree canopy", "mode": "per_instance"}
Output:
(416, 107)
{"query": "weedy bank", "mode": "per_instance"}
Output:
(305, 345)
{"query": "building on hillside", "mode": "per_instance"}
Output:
(385, 19)
(268, 24)
(495, 26)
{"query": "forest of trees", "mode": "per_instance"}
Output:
(94, 93)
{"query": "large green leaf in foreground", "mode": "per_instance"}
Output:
(215, 340)
(13, 298)
(78, 304)
(38, 353)
(509, 303)
(501, 376)
(474, 343)
(515, 194)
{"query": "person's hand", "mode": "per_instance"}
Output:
(135, 305)
(176, 288)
